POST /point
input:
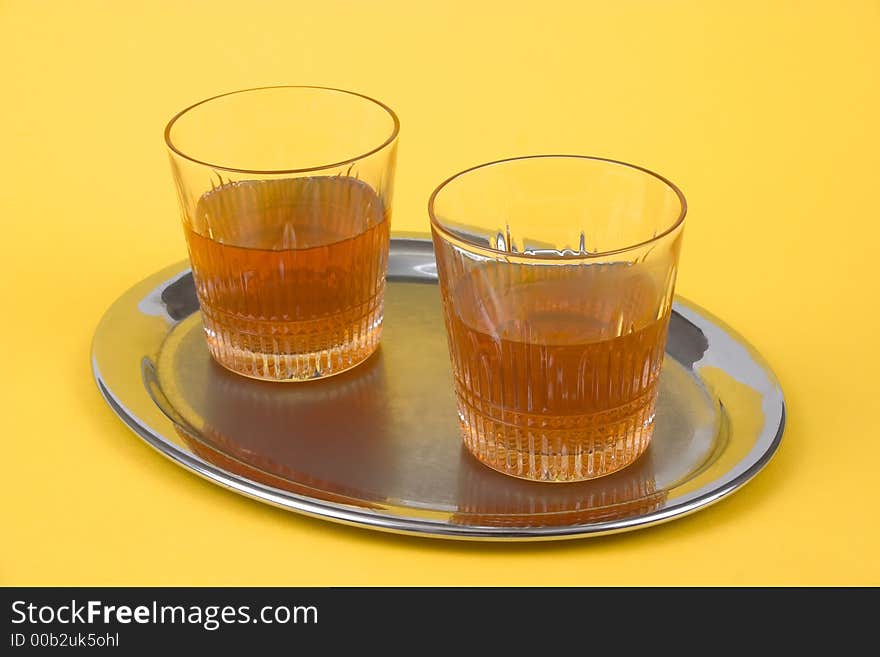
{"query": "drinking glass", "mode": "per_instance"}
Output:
(556, 276)
(285, 195)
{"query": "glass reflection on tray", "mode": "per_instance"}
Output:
(284, 436)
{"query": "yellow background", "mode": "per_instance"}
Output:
(765, 113)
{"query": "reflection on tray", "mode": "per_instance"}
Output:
(491, 499)
(286, 479)
(283, 435)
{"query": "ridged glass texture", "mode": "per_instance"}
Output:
(556, 348)
(280, 297)
(289, 263)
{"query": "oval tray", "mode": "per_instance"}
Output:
(379, 447)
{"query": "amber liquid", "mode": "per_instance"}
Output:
(290, 274)
(556, 367)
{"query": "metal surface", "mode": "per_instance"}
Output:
(379, 446)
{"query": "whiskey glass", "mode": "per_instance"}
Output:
(285, 195)
(557, 275)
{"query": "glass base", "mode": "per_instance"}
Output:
(587, 450)
(286, 362)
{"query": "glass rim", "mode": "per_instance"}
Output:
(320, 167)
(470, 244)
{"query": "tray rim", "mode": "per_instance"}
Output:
(385, 520)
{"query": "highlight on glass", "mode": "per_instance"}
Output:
(285, 195)
(557, 275)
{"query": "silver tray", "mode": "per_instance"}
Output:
(379, 447)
